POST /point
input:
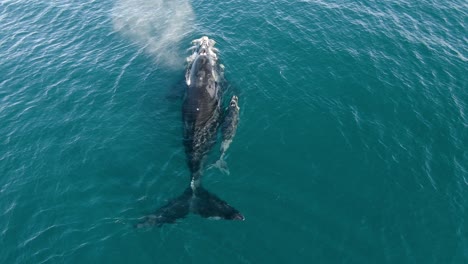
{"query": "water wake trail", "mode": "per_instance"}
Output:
(157, 25)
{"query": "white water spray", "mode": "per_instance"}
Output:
(157, 25)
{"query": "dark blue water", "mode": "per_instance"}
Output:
(351, 147)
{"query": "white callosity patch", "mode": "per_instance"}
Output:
(202, 46)
(208, 46)
(157, 25)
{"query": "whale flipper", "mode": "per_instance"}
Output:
(199, 202)
(177, 91)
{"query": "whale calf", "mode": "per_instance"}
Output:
(228, 129)
(201, 112)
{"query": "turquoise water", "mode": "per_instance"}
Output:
(351, 147)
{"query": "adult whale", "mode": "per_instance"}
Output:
(201, 116)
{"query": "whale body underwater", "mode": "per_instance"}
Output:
(202, 117)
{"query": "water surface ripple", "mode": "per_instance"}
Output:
(352, 144)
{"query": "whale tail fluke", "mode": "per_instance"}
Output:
(209, 205)
(175, 209)
(200, 202)
(221, 165)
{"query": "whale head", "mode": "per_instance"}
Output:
(234, 103)
(203, 46)
(203, 60)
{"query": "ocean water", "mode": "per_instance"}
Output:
(351, 148)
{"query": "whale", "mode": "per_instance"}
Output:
(201, 116)
(228, 131)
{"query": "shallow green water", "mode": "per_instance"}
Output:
(351, 148)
